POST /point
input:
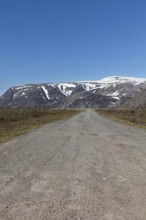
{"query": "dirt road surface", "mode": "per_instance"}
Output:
(83, 168)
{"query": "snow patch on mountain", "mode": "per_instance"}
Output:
(22, 87)
(89, 86)
(21, 93)
(114, 95)
(46, 92)
(66, 88)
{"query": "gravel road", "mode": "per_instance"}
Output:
(83, 168)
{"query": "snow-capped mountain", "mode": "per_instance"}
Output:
(108, 92)
(121, 79)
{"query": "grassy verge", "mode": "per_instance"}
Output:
(131, 117)
(18, 121)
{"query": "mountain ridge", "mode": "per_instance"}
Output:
(111, 91)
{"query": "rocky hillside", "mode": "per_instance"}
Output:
(139, 101)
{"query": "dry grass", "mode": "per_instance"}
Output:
(18, 121)
(131, 117)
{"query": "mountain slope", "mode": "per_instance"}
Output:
(108, 92)
(139, 101)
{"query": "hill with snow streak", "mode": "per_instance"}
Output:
(108, 92)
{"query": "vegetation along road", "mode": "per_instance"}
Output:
(85, 167)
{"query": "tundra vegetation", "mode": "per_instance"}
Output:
(18, 121)
(135, 117)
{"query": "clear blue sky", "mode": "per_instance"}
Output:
(69, 40)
